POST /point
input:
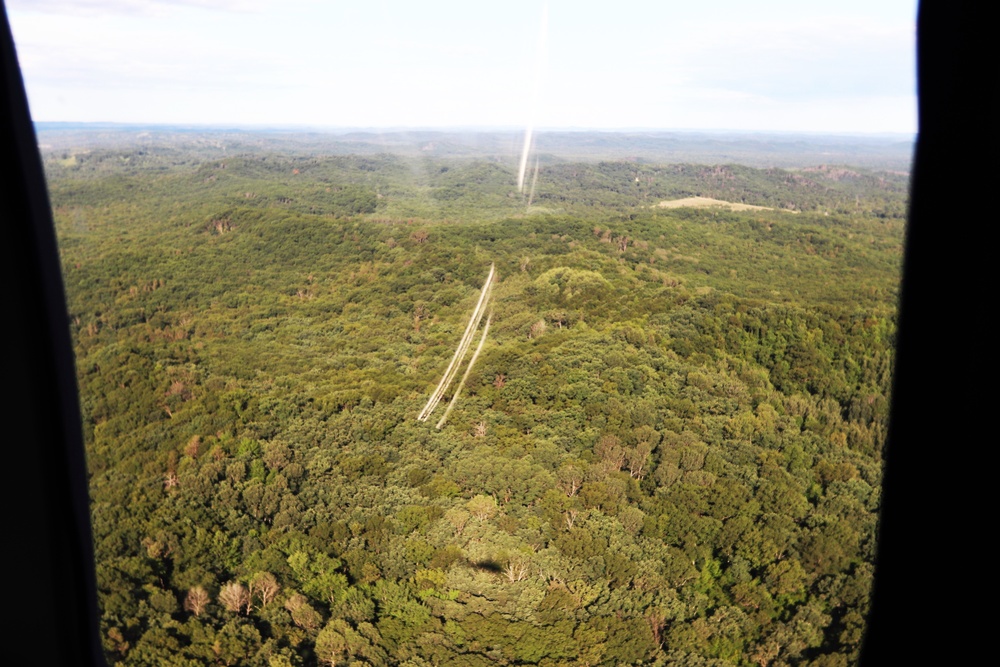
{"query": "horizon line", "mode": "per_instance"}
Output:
(341, 129)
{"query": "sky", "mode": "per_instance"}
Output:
(844, 66)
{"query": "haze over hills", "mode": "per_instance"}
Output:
(667, 453)
(888, 152)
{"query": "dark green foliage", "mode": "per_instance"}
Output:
(668, 451)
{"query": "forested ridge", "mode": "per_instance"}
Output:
(669, 451)
(759, 149)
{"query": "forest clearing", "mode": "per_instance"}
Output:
(708, 202)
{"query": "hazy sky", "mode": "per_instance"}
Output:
(798, 65)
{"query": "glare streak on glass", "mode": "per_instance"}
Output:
(463, 347)
(529, 131)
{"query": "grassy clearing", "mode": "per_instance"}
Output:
(708, 202)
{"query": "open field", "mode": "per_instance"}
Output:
(708, 202)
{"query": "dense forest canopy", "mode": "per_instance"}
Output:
(668, 453)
